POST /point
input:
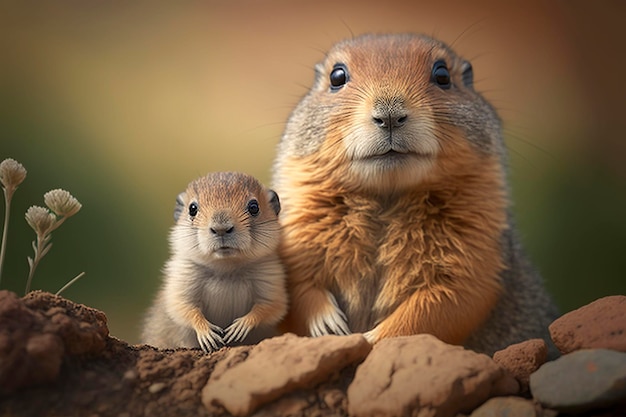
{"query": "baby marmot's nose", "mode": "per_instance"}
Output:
(222, 229)
(388, 116)
(221, 224)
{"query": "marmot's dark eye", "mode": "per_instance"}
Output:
(441, 75)
(193, 209)
(338, 76)
(253, 207)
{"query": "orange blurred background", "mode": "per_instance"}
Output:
(124, 104)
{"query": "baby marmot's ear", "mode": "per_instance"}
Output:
(467, 74)
(180, 205)
(274, 201)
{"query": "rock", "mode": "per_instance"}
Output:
(581, 381)
(242, 383)
(522, 359)
(598, 325)
(156, 387)
(423, 376)
(506, 407)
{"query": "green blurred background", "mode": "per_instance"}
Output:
(124, 104)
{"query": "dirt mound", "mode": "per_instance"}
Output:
(57, 359)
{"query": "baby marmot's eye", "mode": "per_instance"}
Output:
(193, 209)
(253, 207)
(338, 76)
(441, 75)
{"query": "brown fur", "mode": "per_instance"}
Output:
(417, 248)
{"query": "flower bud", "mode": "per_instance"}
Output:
(61, 202)
(40, 219)
(12, 173)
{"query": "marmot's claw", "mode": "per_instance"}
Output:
(332, 323)
(211, 340)
(237, 331)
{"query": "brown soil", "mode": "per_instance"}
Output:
(57, 359)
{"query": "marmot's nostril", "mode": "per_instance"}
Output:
(378, 122)
(222, 230)
(391, 120)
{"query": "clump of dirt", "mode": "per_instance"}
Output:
(57, 359)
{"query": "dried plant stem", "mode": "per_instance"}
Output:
(31, 272)
(69, 284)
(12, 173)
(7, 213)
(40, 251)
(61, 205)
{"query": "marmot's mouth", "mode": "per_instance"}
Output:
(395, 156)
(225, 251)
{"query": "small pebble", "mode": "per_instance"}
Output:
(157, 387)
(130, 375)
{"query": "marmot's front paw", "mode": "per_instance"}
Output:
(332, 321)
(238, 331)
(210, 337)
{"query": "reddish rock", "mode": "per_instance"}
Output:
(422, 376)
(598, 325)
(242, 383)
(522, 359)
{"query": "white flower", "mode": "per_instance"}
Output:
(12, 173)
(61, 202)
(40, 219)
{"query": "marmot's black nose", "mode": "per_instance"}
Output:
(222, 229)
(388, 116)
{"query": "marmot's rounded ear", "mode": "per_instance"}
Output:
(274, 201)
(180, 205)
(467, 74)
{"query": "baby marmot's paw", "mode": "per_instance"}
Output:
(331, 321)
(238, 331)
(209, 336)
